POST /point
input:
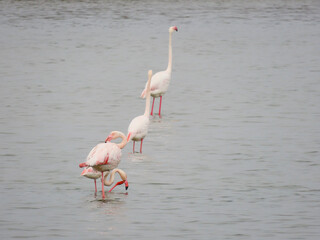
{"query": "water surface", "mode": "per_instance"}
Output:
(235, 156)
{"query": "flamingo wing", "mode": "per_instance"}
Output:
(138, 127)
(159, 82)
(98, 155)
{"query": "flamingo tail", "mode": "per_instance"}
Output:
(81, 165)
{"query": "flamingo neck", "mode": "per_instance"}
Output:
(123, 142)
(147, 110)
(109, 182)
(169, 68)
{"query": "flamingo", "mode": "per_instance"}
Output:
(106, 156)
(93, 174)
(138, 127)
(161, 80)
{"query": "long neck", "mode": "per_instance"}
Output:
(147, 110)
(123, 142)
(170, 53)
(121, 173)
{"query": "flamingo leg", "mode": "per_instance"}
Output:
(152, 107)
(118, 183)
(103, 196)
(160, 106)
(134, 142)
(95, 186)
(141, 145)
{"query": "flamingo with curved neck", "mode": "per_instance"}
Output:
(106, 156)
(93, 174)
(115, 135)
(161, 80)
(109, 182)
(138, 127)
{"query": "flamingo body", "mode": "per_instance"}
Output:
(159, 84)
(138, 128)
(104, 157)
(91, 173)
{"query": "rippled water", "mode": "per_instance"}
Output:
(235, 156)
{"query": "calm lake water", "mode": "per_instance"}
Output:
(235, 156)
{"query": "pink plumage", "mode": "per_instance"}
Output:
(105, 156)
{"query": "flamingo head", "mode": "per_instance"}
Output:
(112, 135)
(108, 139)
(126, 184)
(173, 28)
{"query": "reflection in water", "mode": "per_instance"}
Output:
(113, 203)
(138, 157)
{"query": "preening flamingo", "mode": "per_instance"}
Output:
(138, 127)
(106, 156)
(93, 174)
(161, 80)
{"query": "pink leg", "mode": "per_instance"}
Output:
(134, 142)
(95, 186)
(152, 107)
(103, 196)
(141, 145)
(160, 106)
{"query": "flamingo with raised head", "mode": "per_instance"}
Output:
(161, 80)
(106, 156)
(138, 127)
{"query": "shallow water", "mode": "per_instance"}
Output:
(235, 156)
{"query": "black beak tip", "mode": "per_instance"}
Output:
(127, 188)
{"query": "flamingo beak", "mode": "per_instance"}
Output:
(126, 184)
(128, 138)
(108, 139)
(175, 28)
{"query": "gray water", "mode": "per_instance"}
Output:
(235, 155)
